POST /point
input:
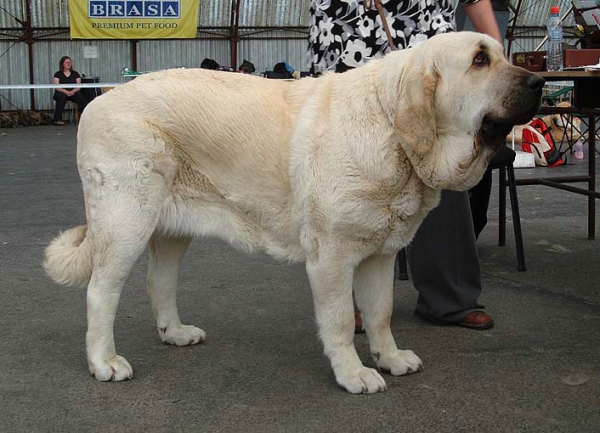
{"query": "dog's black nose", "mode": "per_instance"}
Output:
(535, 82)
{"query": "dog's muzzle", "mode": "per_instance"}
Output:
(520, 108)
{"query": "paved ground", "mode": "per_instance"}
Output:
(262, 368)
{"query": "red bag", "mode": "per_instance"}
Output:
(538, 140)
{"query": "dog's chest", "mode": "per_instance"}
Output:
(404, 217)
(394, 217)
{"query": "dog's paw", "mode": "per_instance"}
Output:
(114, 369)
(362, 381)
(183, 335)
(400, 362)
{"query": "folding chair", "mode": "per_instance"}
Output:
(503, 161)
(505, 167)
(72, 112)
(565, 94)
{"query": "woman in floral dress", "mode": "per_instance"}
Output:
(345, 34)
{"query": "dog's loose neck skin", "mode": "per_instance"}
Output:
(422, 114)
(379, 150)
(371, 155)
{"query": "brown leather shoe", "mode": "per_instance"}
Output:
(477, 320)
(358, 324)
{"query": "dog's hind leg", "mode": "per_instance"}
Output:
(123, 202)
(373, 291)
(166, 254)
(331, 283)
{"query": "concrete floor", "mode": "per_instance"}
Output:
(261, 368)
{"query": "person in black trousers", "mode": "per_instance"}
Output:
(66, 75)
(443, 255)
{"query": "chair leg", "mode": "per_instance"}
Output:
(66, 113)
(402, 273)
(502, 207)
(514, 203)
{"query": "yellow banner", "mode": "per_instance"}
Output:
(133, 19)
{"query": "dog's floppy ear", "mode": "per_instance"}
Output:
(415, 120)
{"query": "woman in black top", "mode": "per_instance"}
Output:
(66, 75)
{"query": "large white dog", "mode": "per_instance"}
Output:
(337, 171)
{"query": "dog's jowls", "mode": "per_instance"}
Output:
(337, 172)
(562, 127)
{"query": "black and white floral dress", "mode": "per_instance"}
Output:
(345, 34)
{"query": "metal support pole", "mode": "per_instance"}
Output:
(134, 63)
(29, 40)
(235, 28)
(592, 181)
(510, 31)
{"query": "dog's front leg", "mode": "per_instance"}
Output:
(373, 291)
(331, 282)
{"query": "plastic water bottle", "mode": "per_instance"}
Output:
(554, 52)
(579, 149)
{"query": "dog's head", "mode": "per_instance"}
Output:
(457, 99)
(561, 125)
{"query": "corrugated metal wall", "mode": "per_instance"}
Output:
(113, 56)
(253, 13)
(212, 13)
(273, 13)
(216, 13)
(155, 55)
(49, 13)
(11, 9)
(537, 12)
(152, 55)
(531, 42)
(14, 68)
(266, 53)
(263, 48)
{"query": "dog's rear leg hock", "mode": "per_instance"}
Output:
(373, 291)
(110, 272)
(331, 283)
(121, 225)
(166, 254)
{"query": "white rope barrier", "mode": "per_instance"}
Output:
(57, 86)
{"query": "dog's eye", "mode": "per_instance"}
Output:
(480, 60)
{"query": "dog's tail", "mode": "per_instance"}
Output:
(69, 258)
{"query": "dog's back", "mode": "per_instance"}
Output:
(232, 120)
(219, 140)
